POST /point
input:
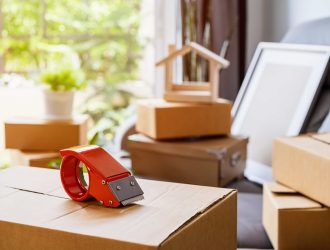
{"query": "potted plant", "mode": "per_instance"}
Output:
(59, 92)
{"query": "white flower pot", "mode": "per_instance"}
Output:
(58, 104)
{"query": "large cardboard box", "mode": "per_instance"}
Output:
(213, 161)
(165, 120)
(33, 159)
(293, 221)
(35, 213)
(45, 135)
(303, 163)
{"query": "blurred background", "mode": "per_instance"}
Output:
(115, 43)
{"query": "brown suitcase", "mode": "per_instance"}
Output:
(214, 161)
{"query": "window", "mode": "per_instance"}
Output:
(110, 40)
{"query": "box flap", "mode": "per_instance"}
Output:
(207, 147)
(37, 180)
(322, 137)
(59, 192)
(35, 209)
(4, 191)
(278, 188)
(166, 208)
(289, 200)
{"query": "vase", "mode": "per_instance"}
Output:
(58, 104)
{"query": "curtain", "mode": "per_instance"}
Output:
(219, 25)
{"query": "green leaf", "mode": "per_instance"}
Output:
(64, 80)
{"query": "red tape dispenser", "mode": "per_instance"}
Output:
(109, 182)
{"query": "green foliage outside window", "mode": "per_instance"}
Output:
(63, 80)
(99, 37)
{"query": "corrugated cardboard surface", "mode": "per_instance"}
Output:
(172, 216)
(45, 135)
(293, 221)
(303, 163)
(33, 159)
(165, 120)
(205, 161)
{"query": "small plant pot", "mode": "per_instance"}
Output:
(58, 104)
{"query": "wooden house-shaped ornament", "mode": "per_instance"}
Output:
(204, 92)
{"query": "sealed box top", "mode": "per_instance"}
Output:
(34, 197)
(287, 198)
(199, 147)
(318, 144)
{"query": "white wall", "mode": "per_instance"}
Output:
(165, 34)
(269, 20)
(303, 10)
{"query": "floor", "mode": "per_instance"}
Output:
(250, 231)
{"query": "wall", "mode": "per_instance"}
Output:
(165, 34)
(269, 20)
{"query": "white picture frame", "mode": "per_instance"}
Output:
(277, 94)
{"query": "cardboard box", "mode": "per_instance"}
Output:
(303, 163)
(165, 120)
(37, 214)
(214, 161)
(45, 135)
(33, 159)
(293, 221)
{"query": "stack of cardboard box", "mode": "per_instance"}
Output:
(36, 142)
(185, 136)
(296, 209)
